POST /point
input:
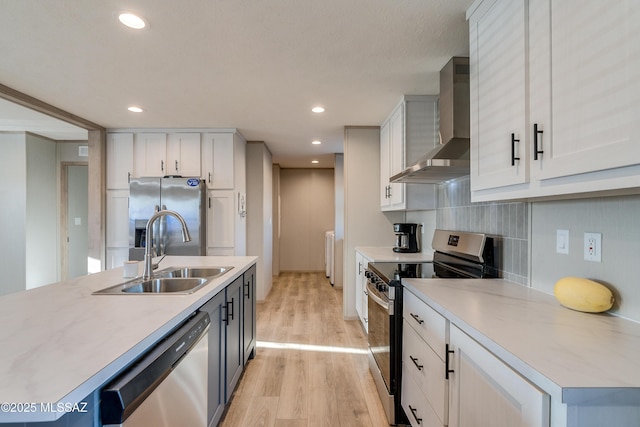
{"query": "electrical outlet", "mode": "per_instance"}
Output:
(593, 247)
(562, 241)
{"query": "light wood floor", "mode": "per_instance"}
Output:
(312, 369)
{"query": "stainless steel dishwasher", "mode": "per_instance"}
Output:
(167, 386)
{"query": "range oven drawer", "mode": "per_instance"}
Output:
(430, 325)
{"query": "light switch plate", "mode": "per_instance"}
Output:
(562, 241)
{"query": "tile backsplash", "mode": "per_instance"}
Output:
(506, 222)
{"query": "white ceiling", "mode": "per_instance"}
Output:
(259, 66)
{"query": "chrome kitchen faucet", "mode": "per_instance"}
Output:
(186, 237)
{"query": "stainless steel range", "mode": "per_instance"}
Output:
(457, 255)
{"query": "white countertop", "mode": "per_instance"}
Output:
(60, 343)
(571, 355)
(386, 254)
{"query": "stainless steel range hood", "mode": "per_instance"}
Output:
(450, 159)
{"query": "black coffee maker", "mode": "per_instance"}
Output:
(407, 238)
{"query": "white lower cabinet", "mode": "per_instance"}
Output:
(485, 392)
(362, 300)
(450, 379)
(416, 405)
(427, 371)
(424, 383)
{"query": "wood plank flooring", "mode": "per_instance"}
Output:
(310, 367)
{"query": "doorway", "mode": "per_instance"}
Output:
(74, 230)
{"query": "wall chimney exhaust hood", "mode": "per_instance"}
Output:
(450, 159)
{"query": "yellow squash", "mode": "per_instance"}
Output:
(581, 294)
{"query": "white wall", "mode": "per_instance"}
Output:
(307, 213)
(29, 254)
(42, 244)
(365, 224)
(338, 248)
(260, 214)
(275, 175)
(617, 218)
(13, 193)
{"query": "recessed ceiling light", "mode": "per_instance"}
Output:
(315, 162)
(132, 20)
(134, 109)
(316, 142)
(318, 109)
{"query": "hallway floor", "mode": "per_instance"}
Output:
(310, 367)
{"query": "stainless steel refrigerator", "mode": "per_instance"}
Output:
(186, 196)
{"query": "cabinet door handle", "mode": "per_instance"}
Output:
(447, 371)
(176, 166)
(414, 412)
(209, 202)
(389, 190)
(417, 318)
(225, 319)
(231, 311)
(162, 165)
(209, 177)
(415, 362)
(128, 176)
(248, 286)
(513, 149)
(536, 131)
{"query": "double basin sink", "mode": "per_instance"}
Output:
(173, 280)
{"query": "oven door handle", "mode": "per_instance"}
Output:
(377, 299)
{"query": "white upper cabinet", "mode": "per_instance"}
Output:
(554, 96)
(159, 154)
(218, 160)
(497, 37)
(585, 89)
(119, 160)
(150, 155)
(410, 131)
(183, 154)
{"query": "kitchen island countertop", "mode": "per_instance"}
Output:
(60, 343)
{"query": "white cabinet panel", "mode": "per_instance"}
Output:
(487, 393)
(416, 406)
(150, 154)
(183, 154)
(420, 362)
(430, 325)
(585, 93)
(118, 218)
(220, 219)
(119, 160)
(362, 301)
(497, 84)
(218, 160)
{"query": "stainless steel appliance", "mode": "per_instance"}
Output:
(450, 159)
(167, 387)
(186, 196)
(407, 237)
(457, 255)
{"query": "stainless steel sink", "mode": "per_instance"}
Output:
(209, 272)
(173, 280)
(167, 285)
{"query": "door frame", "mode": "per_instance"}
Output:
(64, 216)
